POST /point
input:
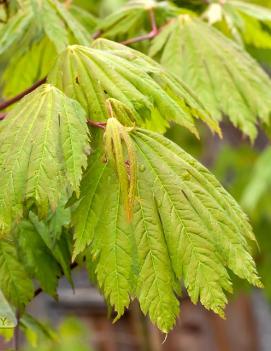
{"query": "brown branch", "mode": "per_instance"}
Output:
(18, 97)
(17, 333)
(148, 36)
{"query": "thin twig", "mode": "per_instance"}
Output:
(18, 97)
(17, 333)
(153, 33)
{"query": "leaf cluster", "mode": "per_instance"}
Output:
(87, 175)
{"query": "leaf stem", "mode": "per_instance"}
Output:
(17, 333)
(18, 97)
(153, 33)
(97, 34)
(92, 123)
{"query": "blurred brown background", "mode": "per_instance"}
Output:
(247, 327)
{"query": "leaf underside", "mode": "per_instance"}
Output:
(259, 182)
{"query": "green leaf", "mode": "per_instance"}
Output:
(53, 25)
(43, 156)
(246, 23)
(185, 227)
(14, 281)
(157, 284)
(55, 237)
(205, 229)
(100, 221)
(133, 19)
(252, 21)
(37, 258)
(59, 24)
(123, 158)
(79, 33)
(111, 70)
(58, 220)
(7, 334)
(14, 30)
(125, 114)
(72, 334)
(7, 315)
(38, 19)
(84, 17)
(24, 70)
(36, 332)
(260, 181)
(259, 12)
(226, 79)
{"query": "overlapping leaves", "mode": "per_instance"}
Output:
(24, 70)
(36, 26)
(44, 146)
(225, 78)
(35, 250)
(48, 17)
(149, 216)
(8, 318)
(111, 70)
(45, 253)
(260, 181)
(244, 22)
(133, 19)
(185, 226)
(14, 280)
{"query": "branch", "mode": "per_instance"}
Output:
(18, 97)
(17, 333)
(148, 36)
